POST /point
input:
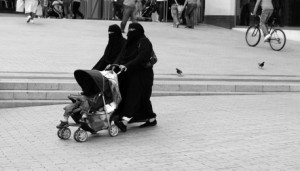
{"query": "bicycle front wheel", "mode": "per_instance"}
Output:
(253, 36)
(277, 40)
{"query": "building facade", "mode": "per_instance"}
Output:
(223, 13)
(232, 13)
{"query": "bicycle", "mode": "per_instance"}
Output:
(277, 40)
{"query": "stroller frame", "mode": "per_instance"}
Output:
(80, 135)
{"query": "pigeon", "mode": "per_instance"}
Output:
(261, 65)
(179, 72)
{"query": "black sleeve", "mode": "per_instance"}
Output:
(143, 56)
(118, 58)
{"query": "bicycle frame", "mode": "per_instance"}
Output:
(277, 40)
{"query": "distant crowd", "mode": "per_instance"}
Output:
(182, 11)
(155, 10)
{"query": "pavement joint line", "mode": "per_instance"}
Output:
(158, 74)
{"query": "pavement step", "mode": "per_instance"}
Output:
(165, 77)
(38, 85)
(35, 94)
(62, 95)
(27, 103)
(32, 89)
(159, 85)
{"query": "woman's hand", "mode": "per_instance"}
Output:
(107, 67)
(122, 68)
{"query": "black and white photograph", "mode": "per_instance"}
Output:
(149, 85)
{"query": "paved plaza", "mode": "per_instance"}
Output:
(193, 133)
(249, 132)
(52, 45)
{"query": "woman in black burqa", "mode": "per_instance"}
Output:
(115, 43)
(136, 80)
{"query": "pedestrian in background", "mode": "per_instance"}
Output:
(191, 7)
(139, 8)
(45, 4)
(30, 9)
(177, 9)
(128, 12)
(161, 6)
(76, 6)
(67, 8)
(118, 9)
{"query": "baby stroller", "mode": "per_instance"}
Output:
(148, 10)
(55, 9)
(99, 99)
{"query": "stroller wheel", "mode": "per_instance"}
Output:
(59, 133)
(64, 133)
(80, 135)
(113, 130)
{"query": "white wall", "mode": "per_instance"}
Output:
(220, 7)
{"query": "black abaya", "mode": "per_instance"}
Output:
(136, 83)
(113, 48)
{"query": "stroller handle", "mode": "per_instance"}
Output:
(112, 67)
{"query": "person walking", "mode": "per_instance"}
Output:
(161, 10)
(76, 5)
(267, 10)
(115, 44)
(136, 80)
(128, 12)
(139, 8)
(67, 8)
(30, 9)
(45, 4)
(118, 8)
(191, 7)
(177, 8)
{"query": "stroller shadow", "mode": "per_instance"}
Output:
(132, 130)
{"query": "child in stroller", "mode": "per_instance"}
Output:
(55, 9)
(149, 8)
(91, 110)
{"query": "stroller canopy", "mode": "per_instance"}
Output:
(92, 82)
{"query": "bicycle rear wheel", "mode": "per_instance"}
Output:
(253, 36)
(277, 40)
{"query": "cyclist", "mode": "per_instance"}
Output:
(267, 10)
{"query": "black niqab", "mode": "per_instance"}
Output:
(115, 44)
(135, 32)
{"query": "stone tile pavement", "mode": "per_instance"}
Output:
(193, 133)
(52, 45)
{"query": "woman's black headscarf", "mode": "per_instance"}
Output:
(134, 35)
(135, 32)
(115, 43)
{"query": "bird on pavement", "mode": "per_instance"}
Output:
(179, 72)
(261, 65)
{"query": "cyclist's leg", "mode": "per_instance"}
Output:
(265, 15)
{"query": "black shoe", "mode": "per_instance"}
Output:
(93, 132)
(62, 125)
(121, 125)
(148, 123)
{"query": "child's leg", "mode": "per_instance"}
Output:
(69, 109)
